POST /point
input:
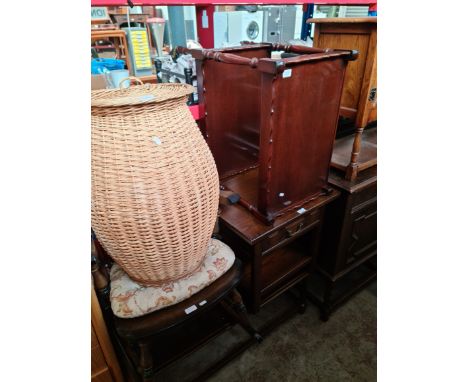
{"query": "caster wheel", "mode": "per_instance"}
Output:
(258, 338)
(324, 316)
(302, 308)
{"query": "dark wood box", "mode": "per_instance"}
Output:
(271, 121)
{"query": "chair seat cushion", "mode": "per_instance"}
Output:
(130, 299)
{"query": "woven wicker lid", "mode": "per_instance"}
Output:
(140, 94)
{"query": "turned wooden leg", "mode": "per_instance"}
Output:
(239, 312)
(352, 169)
(146, 362)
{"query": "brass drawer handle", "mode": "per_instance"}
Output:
(290, 232)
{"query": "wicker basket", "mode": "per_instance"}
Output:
(155, 187)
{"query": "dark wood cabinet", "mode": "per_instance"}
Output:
(349, 241)
(269, 120)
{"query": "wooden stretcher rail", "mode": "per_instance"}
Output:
(269, 65)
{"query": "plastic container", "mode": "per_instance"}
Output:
(101, 65)
(115, 78)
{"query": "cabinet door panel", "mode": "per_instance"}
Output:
(366, 196)
(355, 70)
(363, 234)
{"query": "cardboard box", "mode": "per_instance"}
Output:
(98, 81)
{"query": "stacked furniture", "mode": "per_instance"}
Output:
(348, 251)
(152, 339)
(152, 209)
(270, 124)
(154, 212)
(268, 121)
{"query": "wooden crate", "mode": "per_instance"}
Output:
(359, 98)
(271, 121)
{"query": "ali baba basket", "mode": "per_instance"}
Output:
(155, 187)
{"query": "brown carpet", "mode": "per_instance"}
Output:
(306, 349)
(301, 349)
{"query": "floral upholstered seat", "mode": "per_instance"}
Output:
(130, 299)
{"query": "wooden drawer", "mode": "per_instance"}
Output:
(286, 233)
(365, 196)
(243, 135)
(362, 234)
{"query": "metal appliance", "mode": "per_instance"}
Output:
(279, 23)
(230, 28)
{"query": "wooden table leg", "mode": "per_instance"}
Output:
(239, 312)
(352, 169)
(256, 277)
(146, 362)
(325, 308)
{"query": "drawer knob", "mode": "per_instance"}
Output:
(291, 233)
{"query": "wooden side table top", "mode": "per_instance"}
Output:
(97, 34)
(253, 230)
(341, 20)
(343, 149)
(364, 179)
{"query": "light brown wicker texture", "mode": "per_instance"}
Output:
(155, 187)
